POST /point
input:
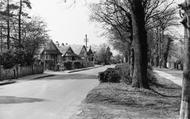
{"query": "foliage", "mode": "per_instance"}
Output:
(124, 72)
(110, 75)
(13, 57)
(121, 73)
(117, 59)
(68, 65)
(20, 57)
(77, 65)
(100, 55)
(8, 59)
(103, 55)
(25, 40)
(35, 35)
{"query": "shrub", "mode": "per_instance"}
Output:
(8, 59)
(124, 72)
(20, 57)
(121, 73)
(68, 65)
(102, 78)
(16, 56)
(77, 65)
(110, 75)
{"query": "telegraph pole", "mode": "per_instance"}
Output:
(86, 41)
(185, 100)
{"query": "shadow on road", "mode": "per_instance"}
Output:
(69, 76)
(164, 95)
(15, 100)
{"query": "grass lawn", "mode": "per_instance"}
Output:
(119, 101)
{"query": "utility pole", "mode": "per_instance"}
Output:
(185, 100)
(86, 41)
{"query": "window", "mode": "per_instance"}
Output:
(73, 58)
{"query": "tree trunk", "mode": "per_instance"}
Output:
(160, 50)
(19, 25)
(8, 25)
(131, 62)
(165, 61)
(166, 53)
(185, 101)
(156, 60)
(140, 45)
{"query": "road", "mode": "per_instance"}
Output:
(56, 97)
(177, 80)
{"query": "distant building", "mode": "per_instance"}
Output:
(69, 60)
(91, 55)
(83, 53)
(50, 55)
(61, 57)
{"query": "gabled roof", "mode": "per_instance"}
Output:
(63, 49)
(49, 48)
(39, 50)
(67, 51)
(83, 51)
(90, 52)
(76, 48)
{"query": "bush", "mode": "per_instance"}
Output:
(121, 73)
(8, 59)
(68, 65)
(110, 75)
(77, 65)
(124, 72)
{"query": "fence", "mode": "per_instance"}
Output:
(19, 71)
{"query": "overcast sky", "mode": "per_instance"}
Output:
(67, 24)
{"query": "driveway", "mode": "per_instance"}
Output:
(56, 97)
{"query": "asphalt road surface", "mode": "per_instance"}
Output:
(56, 97)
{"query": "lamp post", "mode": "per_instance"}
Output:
(185, 100)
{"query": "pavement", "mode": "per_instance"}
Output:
(168, 76)
(47, 98)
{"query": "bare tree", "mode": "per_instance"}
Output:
(21, 4)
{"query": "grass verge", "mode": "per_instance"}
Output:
(118, 101)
